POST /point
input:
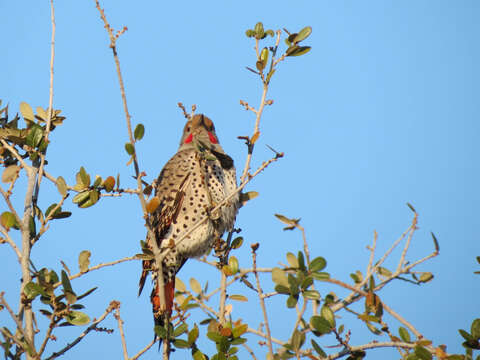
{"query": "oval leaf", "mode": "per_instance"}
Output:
(195, 285)
(327, 313)
(317, 264)
(77, 318)
(27, 111)
(238, 297)
(292, 260)
(61, 186)
(84, 260)
(139, 132)
(109, 183)
(279, 277)
(303, 34)
(10, 173)
(129, 148)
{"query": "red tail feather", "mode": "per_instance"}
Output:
(159, 315)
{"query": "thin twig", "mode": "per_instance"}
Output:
(9, 240)
(16, 319)
(262, 300)
(371, 345)
(120, 330)
(50, 101)
(113, 305)
(145, 349)
(99, 266)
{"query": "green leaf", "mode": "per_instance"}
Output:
(195, 285)
(139, 132)
(282, 289)
(269, 75)
(475, 329)
(286, 220)
(321, 276)
(312, 294)
(32, 226)
(160, 331)
(297, 50)
(61, 186)
(317, 264)
(292, 301)
(301, 261)
(77, 318)
(466, 335)
(84, 177)
(404, 334)
(97, 182)
(373, 329)
(193, 335)
(238, 297)
(215, 337)
(7, 219)
(32, 290)
(245, 197)
(422, 353)
(34, 136)
(328, 314)
(294, 284)
(84, 260)
(318, 349)
(81, 197)
(238, 341)
(250, 33)
(320, 324)
(27, 111)
(259, 31)
(181, 329)
(292, 260)
(298, 338)
(239, 330)
(67, 286)
(279, 277)
(237, 242)
(233, 265)
(306, 283)
(181, 344)
(264, 57)
(85, 294)
(425, 277)
(303, 34)
(129, 148)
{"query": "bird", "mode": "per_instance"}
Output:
(196, 179)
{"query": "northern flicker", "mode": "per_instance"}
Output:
(197, 178)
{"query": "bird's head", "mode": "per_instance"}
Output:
(199, 130)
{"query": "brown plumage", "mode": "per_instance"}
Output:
(197, 178)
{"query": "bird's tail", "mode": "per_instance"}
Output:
(161, 317)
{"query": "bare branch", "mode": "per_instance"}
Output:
(99, 266)
(145, 349)
(50, 101)
(17, 320)
(113, 305)
(10, 241)
(122, 334)
(262, 299)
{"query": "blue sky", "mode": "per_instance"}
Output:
(381, 112)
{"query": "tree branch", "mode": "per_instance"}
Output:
(113, 305)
